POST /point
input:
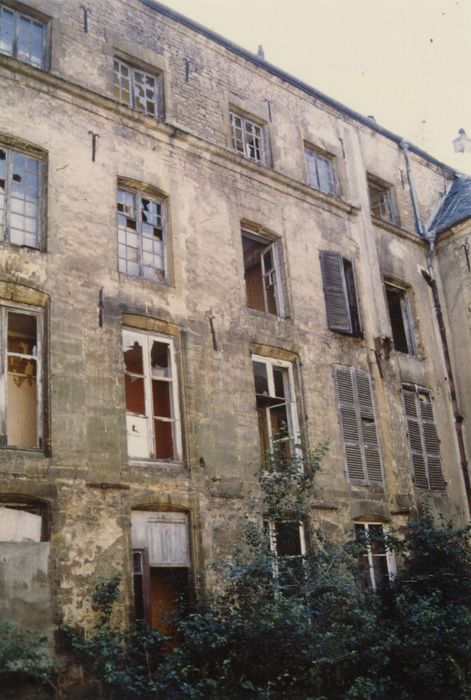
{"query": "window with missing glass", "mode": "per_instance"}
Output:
(142, 235)
(265, 274)
(21, 372)
(19, 198)
(377, 561)
(138, 89)
(382, 204)
(151, 392)
(22, 37)
(276, 409)
(247, 138)
(400, 315)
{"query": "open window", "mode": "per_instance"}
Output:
(357, 419)
(400, 315)
(423, 438)
(341, 300)
(288, 545)
(377, 562)
(382, 204)
(276, 409)
(161, 566)
(265, 278)
(151, 389)
(21, 391)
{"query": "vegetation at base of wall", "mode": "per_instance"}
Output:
(285, 627)
(301, 628)
(24, 656)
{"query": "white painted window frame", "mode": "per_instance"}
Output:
(272, 276)
(388, 555)
(145, 339)
(38, 358)
(258, 133)
(157, 77)
(5, 224)
(292, 412)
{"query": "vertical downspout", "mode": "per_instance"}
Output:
(429, 276)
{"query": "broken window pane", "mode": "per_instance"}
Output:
(136, 88)
(22, 390)
(151, 391)
(381, 201)
(247, 138)
(401, 319)
(141, 238)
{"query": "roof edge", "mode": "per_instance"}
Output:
(304, 87)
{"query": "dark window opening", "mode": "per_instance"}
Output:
(401, 320)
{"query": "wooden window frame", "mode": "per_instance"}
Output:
(424, 443)
(381, 198)
(254, 150)
(161, 274)
(133, 103)
(314, 159)
(43, 22)
(6, 224)
(355, 401)
(388, 555)
(340, 294)
(290, 402)
(145, 339)
(38, 314)
(275, 276)
(408, 331)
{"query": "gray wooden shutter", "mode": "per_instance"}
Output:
(431, 441)
(374, 469)
(423, 438)
(335, 293)
(357, 417)
(349, 421)
(283, 277)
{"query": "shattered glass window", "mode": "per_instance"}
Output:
(247, 138)
(136, 88)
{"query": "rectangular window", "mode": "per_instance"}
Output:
(423, 438)
(161, 566)
(265, 277)
(19, 198)
(357, 418)
(276, 408)
(320, 171)
(382, 201)
(141, 235)
(22, 37)
(21, 406)
(401, 319)
(288, 545)
(138, 89)
(378, 563)
(247, 138)
(341, 301)
(151, 387)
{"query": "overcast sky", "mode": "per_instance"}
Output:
(407, 62)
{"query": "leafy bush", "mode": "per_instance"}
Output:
(24, 656)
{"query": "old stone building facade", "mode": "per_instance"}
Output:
(196, 249)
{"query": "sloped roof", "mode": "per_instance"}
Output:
(456, 206)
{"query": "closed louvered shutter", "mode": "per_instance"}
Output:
(335, 293)
(374, 470)
(362, 454)
(423, 438)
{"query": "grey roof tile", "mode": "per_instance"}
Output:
(456, 206)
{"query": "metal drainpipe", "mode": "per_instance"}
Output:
(429, 276)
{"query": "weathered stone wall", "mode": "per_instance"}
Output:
(87, 479)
